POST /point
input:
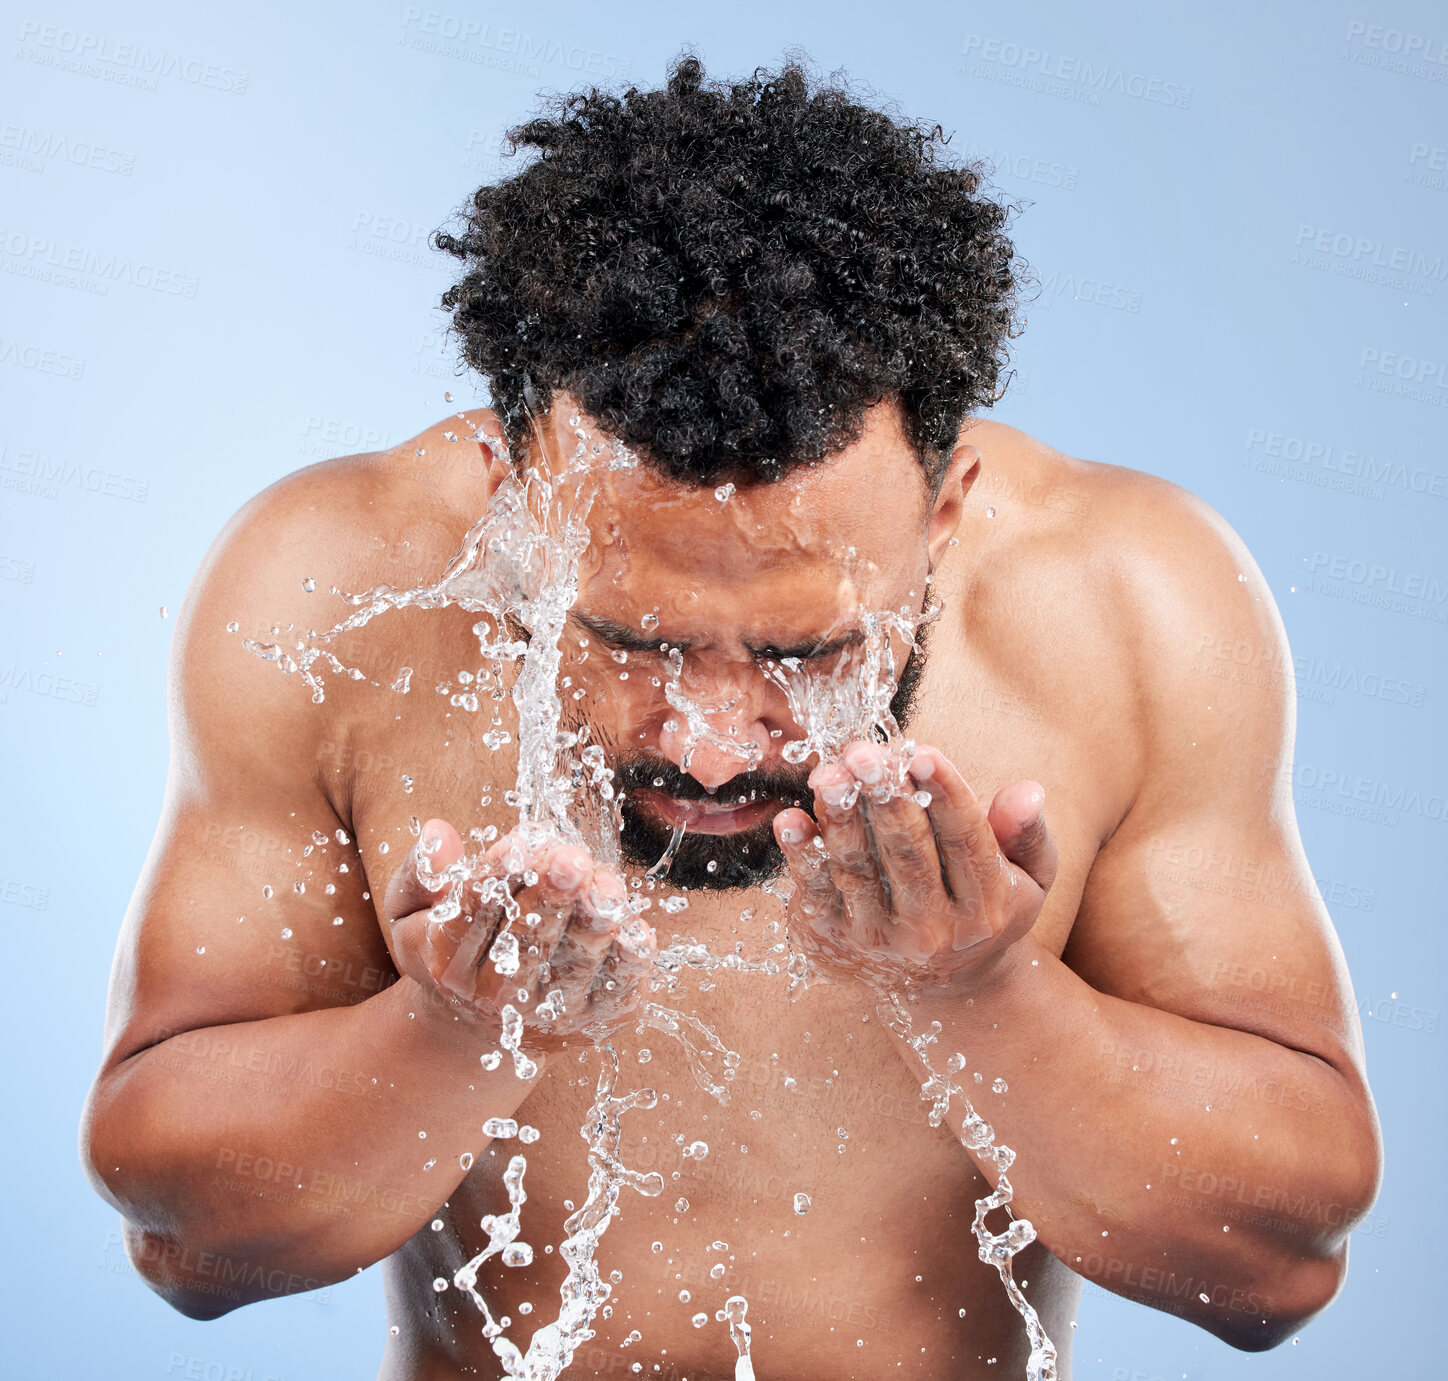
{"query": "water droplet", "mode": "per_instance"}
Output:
(232, 626)
(286, 932)
(682, 1206)
(723, 492)
(308, 584)
(657, 1248)
(649, 622)
(801, 1203)
(528, 1135)
(684, 1297)
(699, 1320)
(645, 1055)
(999, 1086)
(990, 513)
(439, 1284)
(200, 949)
(163, 611)
(517, 1254)
(436, 1225)
(716, 1271)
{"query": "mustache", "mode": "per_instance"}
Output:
(645, 772)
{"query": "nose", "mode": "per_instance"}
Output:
(715, 729)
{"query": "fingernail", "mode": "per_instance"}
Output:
(922, 768)
(566, 870)
(867, 765)
(790, 834)
(836, 793)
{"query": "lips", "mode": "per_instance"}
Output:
(706, 817)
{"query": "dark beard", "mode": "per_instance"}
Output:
(750, 857)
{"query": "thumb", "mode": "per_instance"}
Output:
(407, 892)
(1019, 822)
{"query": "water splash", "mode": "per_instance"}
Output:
(735, 1308)
(518, 569)
(583, 1290)
(995, 1249)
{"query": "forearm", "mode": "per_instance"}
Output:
(1154, 1151)
(310, 1144)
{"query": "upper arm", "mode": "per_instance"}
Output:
(233, 918)
(1202, 902)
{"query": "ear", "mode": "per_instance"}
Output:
(949, 505)
(493, 444)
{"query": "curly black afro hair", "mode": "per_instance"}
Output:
(726, 275)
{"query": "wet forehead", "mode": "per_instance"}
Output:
(856, 517)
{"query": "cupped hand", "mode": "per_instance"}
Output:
(895, 892)
(545, 929)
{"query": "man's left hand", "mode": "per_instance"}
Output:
(896, 892)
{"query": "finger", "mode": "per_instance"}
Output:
(970, 861)
(590, 934)
(438, 847)
(565, 874)
(799, 841)
(903, 838)
(851, 854)
(1017, 818)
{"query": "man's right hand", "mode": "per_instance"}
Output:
(583, 960)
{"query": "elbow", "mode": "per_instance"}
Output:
(1291, 1300)
(164, 1266)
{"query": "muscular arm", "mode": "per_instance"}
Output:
(274, 1111)
(1186, 1088)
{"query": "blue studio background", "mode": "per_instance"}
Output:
(1237, 218)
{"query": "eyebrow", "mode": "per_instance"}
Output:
(626, 639)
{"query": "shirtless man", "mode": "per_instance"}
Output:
(292, 1088)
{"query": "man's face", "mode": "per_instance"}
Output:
(707, 591)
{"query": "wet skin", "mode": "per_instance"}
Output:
(1112, 982)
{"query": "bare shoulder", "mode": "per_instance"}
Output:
(1129, 609)
(1162, 565)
